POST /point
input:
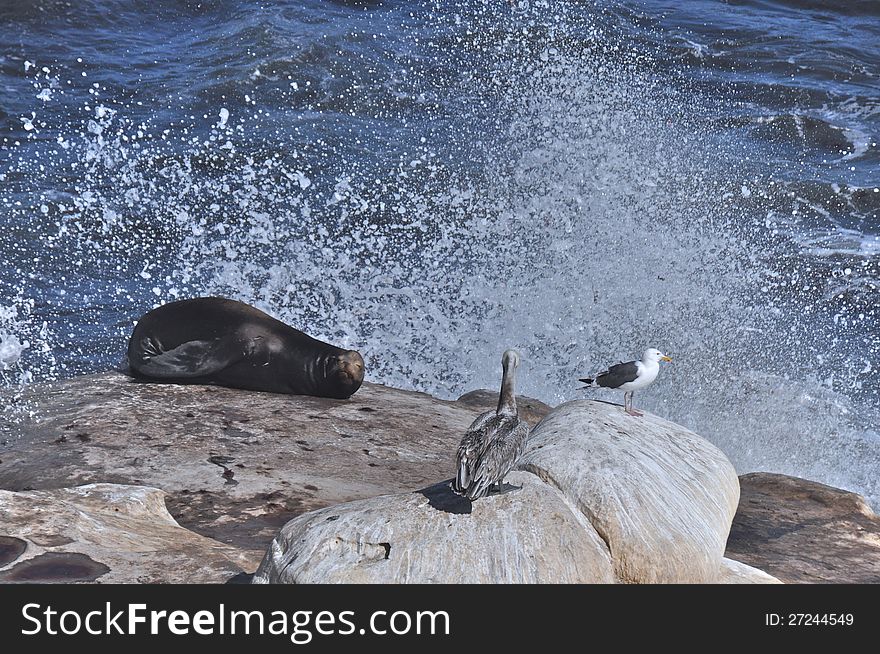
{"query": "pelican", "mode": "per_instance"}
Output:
(630, 376)
(493, 442)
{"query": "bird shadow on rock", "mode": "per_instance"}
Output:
(608, 402)
(441, 497)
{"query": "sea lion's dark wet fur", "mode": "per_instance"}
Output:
(213, 340)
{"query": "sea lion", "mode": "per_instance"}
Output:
(212, 340)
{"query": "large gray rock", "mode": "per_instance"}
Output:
(433, 536)
(611, 498)
(106, 533)
(660, 496)
(734, 572)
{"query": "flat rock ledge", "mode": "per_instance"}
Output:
(235, 465)
(600, 498)
(802, 531)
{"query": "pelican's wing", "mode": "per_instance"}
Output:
(481, 421)
(499, 458)
(475, 440)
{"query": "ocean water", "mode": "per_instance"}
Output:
(434, 182)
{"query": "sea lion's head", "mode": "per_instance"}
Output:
(345, 373)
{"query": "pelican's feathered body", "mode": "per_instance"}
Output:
(630, 376)
(493, 442)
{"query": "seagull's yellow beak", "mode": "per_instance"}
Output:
(665, 358)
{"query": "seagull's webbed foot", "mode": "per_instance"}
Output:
(634, 413)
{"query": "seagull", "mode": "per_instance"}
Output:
(493, 442)
(630, 376)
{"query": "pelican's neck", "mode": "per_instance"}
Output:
(507, 399)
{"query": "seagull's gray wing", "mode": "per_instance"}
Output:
(618, 374)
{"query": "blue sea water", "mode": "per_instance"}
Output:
(433, 182)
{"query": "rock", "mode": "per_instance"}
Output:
(804, 532)
(734, 572)
(106, 533)
(610, 498)
(661, 497)
(235, 465)
(530, 409)
(528, 535)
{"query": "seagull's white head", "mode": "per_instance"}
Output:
(653, 355)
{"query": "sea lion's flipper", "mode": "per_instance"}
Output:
(191, 359)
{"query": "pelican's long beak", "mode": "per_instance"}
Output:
(665, 358)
